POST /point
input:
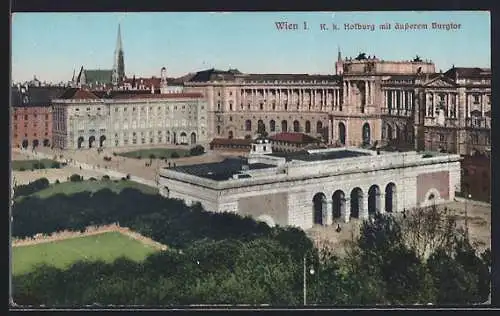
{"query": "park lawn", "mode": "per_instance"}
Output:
(69, 188)
(157, 152)
(61, 254)
(28, 164)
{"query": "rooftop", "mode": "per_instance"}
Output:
(290, 137)
(320, 156)
(220, 171)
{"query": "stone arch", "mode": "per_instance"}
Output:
(366, 134)
(431, 197)
(46, 142)
(230, 135)
(308, 127)
(261, 123)
(272, 125)
(80, 142)
(35, 143)
(342, 133)
(165, 191)
(356, 202)
(102, 139)
(91, 141)
(266, 219)
(193, 138)
(338, 204)
(374, 200)
(183, 138)
(284, 126)
(390, 197)
(248, 125)
(319, 208)
(296, 126)
(319, 127)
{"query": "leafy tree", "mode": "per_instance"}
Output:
(197, 150)
(174, 155)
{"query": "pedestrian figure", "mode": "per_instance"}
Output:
(404, 213)
(80, 167)
(338, 228)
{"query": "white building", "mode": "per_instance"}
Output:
(82, 119)
(317, 186)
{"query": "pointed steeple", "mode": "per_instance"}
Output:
(119, 40)
(339, 55)
(118, 65)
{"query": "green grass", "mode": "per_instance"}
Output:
(69, 188)
(61, 254)
(157, 152)
(29, 164)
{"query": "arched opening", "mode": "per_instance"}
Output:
(168, 136)
(193, 138)
(296, 126)
(218, 130)
(165, 192)
(396, 132)
(80, 142)
(248, 125)
(230, 135)
(284, 126)
(272, 125)
(91, 141)
(390, 198)
(25, 144)
(319, 208)
(374, 200)
(338, 201)
(389, 132)
(342, 133)
(308, 127)
(356, 202)
(266, 219)
(366, 134)
(46, 143)
(183, 138)
(102, 139)
(319, 127)
(175, 138)
(35, 143)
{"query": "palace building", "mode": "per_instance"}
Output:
(368, 102)
(85, 119)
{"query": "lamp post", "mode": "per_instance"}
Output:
(466, 217)
(311, 271)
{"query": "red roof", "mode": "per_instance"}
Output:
(78, 94)
(158, 96)
(231, 141)
(294, 138)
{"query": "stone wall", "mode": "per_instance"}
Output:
(274, 205)
(439, 181)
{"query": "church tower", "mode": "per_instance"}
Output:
(119, 64)
(339, 67)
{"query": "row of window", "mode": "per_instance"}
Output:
(34, 116)
(35, 125)
(143, 109)
(34, 135)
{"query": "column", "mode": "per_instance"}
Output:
(328, 217)
(382, 202)
(367, 95)
(323, 97)
(330, 131)
(288, 97)
(363, 206)
(403, 106)
(345, 210)
(372, 94)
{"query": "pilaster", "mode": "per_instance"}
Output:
(328, 217)
(345, 211)
(363, 207)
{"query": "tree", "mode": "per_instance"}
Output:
(197, 150)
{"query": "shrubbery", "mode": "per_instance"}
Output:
(105, 177)
(75, 178)
(174, 155)
(197, 150)
(56, 165)
(35, 186)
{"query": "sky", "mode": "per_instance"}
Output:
(51, 45)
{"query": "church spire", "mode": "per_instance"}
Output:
(119, 64)
(339, 55)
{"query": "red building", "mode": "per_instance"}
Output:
(32, 115)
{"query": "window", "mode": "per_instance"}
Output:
(441, 137)
(230, 92)
(230, 119)
(133, 109)
(26, 117)
(98, 109)
(88, 109)
(262, 106)
(77, 109)
(116, 109)
(218, 93)
(34, 134)
(476, 98)
(265, 148)
(124, 109)
(25, 135)
(230, 106)
(35, 116)
(15, 117)
(46, 134)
